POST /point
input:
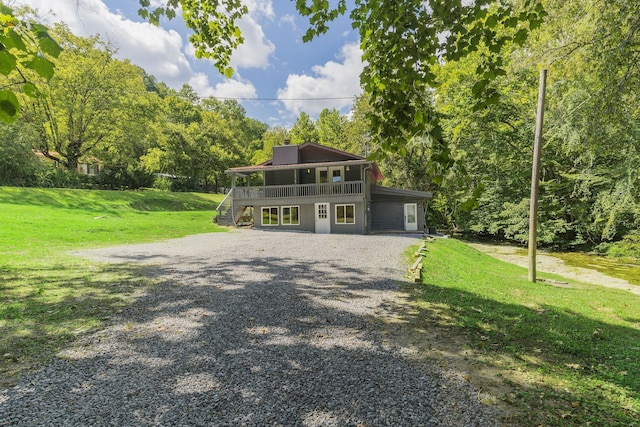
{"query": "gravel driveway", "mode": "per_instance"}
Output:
(251, 328)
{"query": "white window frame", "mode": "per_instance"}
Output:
(330, 178)
(345, 214)
(282, 215)
(262, 209)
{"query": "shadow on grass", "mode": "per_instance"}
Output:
(261, 340)
(567, 369)
(44, 307)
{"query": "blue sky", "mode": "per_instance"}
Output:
(273, 64)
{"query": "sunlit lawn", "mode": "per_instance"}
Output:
(571, 351)
(48, 296)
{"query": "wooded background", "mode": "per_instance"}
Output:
(474, 153)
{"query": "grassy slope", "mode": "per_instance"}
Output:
(46, 296)
(571, 351)
(72, 219)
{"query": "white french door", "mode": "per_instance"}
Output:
(323, 220)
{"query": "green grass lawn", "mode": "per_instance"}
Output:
(47, 296)
(570, 351)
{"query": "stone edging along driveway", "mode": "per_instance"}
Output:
(252, 328)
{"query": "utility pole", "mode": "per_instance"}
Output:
(533, 206)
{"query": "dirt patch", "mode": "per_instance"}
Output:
(427, 340)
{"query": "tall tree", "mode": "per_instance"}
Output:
(271, 138)
(90, 105)
(589, 188)
(303, 130)
(356, 129)
(248, 131)
(201, 139)
(331, 129)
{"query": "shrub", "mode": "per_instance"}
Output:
(629, 246)
(123, 178)
(49, 176)
(162, 183)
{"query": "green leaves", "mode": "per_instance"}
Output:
(23, 46)
(30, 90)
(521, 36)
(320, 15)
(7, 62)
(10, 39)
(9, 106)
(48, 45)
(42, 66)
(216, 34)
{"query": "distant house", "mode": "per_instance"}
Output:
(87, 165)
(315, 188)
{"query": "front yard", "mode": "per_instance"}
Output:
(48, 296)
(567, 352)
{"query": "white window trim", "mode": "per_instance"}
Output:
(282, 215)
(345, 206)
(262, 216)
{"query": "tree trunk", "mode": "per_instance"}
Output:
(72, 163)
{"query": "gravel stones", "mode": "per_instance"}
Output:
(250, 328)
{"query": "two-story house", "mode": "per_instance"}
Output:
(315, 188)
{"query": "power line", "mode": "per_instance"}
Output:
(235, 98)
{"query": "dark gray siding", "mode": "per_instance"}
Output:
(354, 173)
(307, 177)
(280, 177)
(301, 176)
(285, 155)
(387, 215)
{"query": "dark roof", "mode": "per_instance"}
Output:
(400, 192)
(350, 159)
(313, 145)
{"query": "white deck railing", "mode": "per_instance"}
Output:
(299, 190)
(225, 205)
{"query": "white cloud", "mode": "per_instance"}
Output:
(289, 20)
(155, 49)
(256, 49)
(200, 84)
(331, 80)
(260, 7)
(231, 88)
(235, 89)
